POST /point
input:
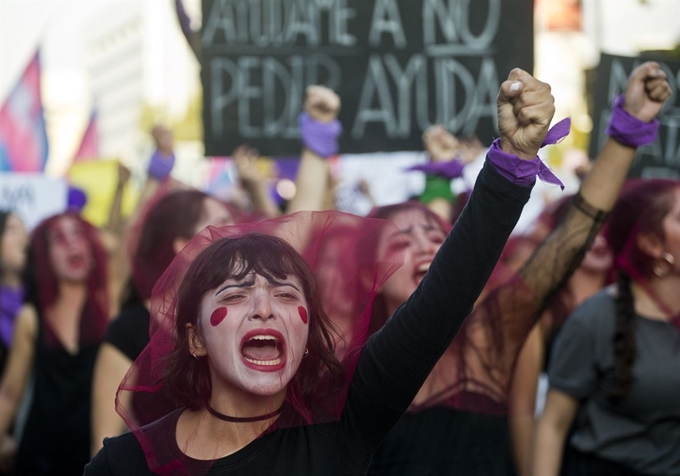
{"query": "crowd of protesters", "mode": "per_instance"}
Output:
(298, 339)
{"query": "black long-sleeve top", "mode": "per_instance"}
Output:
(391, 369)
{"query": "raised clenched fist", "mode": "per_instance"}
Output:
(525, 109)
(322, 104)
(646, 91)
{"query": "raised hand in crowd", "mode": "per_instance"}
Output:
(319, 129)
(251, 181)
(631, 126)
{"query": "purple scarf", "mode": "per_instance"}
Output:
(11, 300)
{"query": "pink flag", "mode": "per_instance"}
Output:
(23, 138)
(89, 145)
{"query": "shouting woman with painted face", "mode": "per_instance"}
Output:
(263, 378)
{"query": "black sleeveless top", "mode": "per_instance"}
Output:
(56, 439)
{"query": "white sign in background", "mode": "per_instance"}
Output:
(33, 197)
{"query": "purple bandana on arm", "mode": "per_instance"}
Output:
(161, 165)
(76, 200)
(11, 300)
(319, 137)
(450, 169)
(524, 172)
(628, 130)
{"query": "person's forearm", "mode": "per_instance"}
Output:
(110, 369)
(522, 436)
(601, 187)
(262, 202)
(8, 408)
(522, 399)
(115, 223)
(548, 449)
(312, 183)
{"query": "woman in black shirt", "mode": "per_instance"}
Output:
(252, 366)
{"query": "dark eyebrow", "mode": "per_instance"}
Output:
(284, 283)
(242, 284)
(432, 227)
(405, 231)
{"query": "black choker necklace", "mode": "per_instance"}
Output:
(232, 419)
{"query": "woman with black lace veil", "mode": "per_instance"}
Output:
(458, 421)
(615, 371)
(263, 381)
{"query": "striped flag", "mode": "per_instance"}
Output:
(23, 138)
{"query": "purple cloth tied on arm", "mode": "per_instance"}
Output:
(11, 300)
(628, 130)
(450, 169)
(524, 172)
(320, 137)
(76, 200)
(161, 165)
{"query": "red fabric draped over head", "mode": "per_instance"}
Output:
(340, 260)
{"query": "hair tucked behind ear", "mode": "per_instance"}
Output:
(624, 338)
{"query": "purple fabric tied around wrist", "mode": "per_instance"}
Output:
(320, 137)
(76, 200)
(450, 169)
(628, 130)
(161, 165)
(524, 172)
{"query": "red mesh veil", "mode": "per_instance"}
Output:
(42, 286)
(641, 209)
(173, 211)
(474, 374)
(348, 263)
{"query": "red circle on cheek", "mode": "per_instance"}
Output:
(303, 314)
(218, 316)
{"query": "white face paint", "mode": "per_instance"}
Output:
(254, 333)
(420, 239)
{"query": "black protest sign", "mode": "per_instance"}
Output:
(660, 159)
(399, 66)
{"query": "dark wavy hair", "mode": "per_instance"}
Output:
(188, 379)
(640, 210)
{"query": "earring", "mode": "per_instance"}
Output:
(194, 354)
(664, 265)
(306, 353)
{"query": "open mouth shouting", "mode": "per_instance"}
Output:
(420, 272)
(264, 350)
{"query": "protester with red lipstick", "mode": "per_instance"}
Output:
(458, 422)
(170, 220)
(250, 404)
(56, 338)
